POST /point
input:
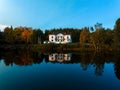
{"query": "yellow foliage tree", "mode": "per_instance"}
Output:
(84, 36)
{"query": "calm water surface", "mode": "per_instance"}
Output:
(26, 70)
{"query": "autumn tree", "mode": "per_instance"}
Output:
(17, 35)
(26, 35)
(84, 36)
(97, 38)
(109, 37)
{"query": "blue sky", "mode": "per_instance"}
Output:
(48, 14)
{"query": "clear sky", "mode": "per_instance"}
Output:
(48, 14)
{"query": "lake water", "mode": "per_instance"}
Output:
(24, 70)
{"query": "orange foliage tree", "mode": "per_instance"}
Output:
(26, 35)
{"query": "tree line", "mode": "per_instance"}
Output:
(26, 35)
(96, 37)
(101, 38)
(20, 35)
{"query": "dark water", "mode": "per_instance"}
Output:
(24, 70)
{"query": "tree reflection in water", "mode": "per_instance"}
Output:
(85, 59)
(117, 64)
(21, 58)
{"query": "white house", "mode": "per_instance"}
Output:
(60, 38)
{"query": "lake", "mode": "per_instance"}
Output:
(25, 70)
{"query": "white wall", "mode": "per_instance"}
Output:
(64, 38)
(52, 38)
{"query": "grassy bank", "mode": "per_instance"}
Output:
(55, 47)
(73, 47)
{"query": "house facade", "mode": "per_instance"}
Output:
(60, 38)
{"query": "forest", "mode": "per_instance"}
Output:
(95, 37)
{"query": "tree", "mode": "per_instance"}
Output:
(26, 35)
(17, 35)
(97, 38)
(117, 25)
(40, 36)
(37, 36)
(34, 37)
(109, 34)
(1, 38)
(8, 33)
(117, 34)
(84, 36)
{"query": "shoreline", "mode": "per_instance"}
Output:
(52, 48)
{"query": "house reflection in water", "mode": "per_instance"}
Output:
(59, 57)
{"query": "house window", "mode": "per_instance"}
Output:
(52, 37)
(67, 37)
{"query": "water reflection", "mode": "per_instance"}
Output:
(59, 57)
(117, 65)
(85, 59)
(21, 58)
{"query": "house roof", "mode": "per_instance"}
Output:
(56, 33)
